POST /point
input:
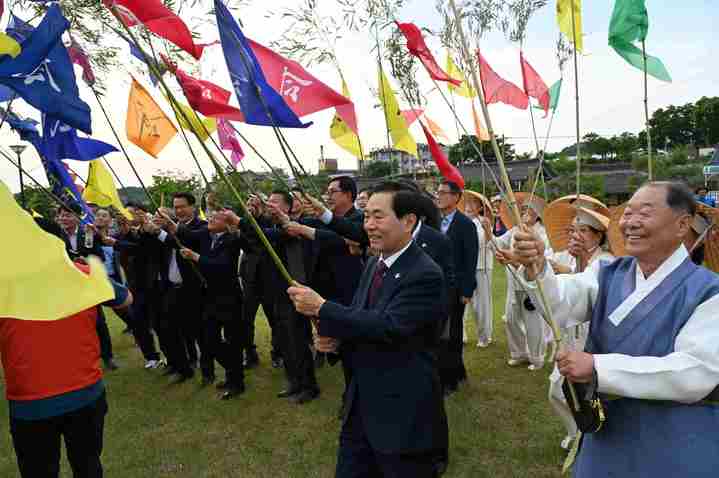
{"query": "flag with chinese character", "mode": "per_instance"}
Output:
(148, 126)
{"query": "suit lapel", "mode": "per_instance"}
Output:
(363, 289)
(396, 274)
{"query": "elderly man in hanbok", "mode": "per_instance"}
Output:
(526, 331)
(587, 244)
(653, 345)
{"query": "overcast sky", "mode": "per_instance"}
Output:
(682, 34)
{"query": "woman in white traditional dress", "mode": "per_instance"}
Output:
(526, 331)
(481, 305)
(587, 243)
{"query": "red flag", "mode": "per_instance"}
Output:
(534, 86)
(79, 57)
(158, 19)
(497, 89)
(304, 93)
(410, 116)
(446, 168)
(417, 47)
(206, 97)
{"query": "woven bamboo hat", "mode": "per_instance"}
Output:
(711, 240)
(523, 199)
(560, 214)
(475, 196)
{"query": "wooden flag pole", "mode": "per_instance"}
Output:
(576, 102)
(650, 166)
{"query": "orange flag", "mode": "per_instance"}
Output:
(479, 129)
(147, 125)
(435, 129)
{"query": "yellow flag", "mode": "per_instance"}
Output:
(464, 89)
(202, 215)
(147, 125)
(100, 188)
(38, 281)
(8, 46)
(342, 134)
(203, 126)
(398, 129)
(564, 20)
(35, 213)
(479, 129)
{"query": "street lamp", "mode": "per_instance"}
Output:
(19, 148)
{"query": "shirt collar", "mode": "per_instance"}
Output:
(415, 233)
(449, 217)
(666, 268)
(393, 258)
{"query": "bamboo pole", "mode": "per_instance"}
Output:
(650, 166)
(556, 332)
(576, 102)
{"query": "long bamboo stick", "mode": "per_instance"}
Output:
(650, 166)
(576, 102)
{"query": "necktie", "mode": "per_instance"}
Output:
(379, 273)
(214, 242)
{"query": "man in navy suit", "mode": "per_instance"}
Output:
(395, 420)
(465, 246)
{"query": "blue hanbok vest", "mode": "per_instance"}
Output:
(645, 438)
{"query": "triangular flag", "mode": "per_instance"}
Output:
(446, 168)
(229, 141)
(630, 23)
(35, 262)
(100, 188)
(204, 127)
(464, 89)
(497, 89)
(417, 47)
(398, 129)
(435, 129)
(479, 129)
(410, 116)
(342, 134)
(158, 19)
(79, 57)
(534, 86)
(302, 92)
(564, 20)
(148, 126)
(554, 92)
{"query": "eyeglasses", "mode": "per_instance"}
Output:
(444, 193)
(332, 191)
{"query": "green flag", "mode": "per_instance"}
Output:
(630, 23)
(554, 92)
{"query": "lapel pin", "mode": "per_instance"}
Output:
(396, 276)
(424, 244)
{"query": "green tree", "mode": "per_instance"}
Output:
(167, 183)
(379, 169)
(464, 151)
(37, 200)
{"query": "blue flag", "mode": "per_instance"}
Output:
(6, 94)
(18, 29)
(61, 183)
(42, 74)
(254, 94)
(61, 141)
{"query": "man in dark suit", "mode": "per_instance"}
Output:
(465, 247)
(395, 420)
(216, 252)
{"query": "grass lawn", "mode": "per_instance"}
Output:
(500, 423)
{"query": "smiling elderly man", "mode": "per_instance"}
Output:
(653, 346)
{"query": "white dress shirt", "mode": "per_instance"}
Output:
(173, 273)
(686, 375)
(393, 258)
(485, 258)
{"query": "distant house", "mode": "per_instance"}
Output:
(520, 172)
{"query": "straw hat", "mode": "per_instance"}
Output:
(537, 204)
(473, 195)
(614, 234)
(560, 215)
(711, 242)
(585, 201)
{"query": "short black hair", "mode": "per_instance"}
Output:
(404, 200)
(427, 209)
(189, 197)
(701, 188)
(365, 190)
(453, 187)
(286, 196)
(347, 185)
(73, 208)
(137, 205)
(679, 197)
(50, 227)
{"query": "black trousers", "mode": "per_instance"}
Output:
(223, 338)
(191, 319)
(170, 330)
(37, 442)
(103, 333)
(143, 310)
(294, 336)
(357, 459)
(451, 363)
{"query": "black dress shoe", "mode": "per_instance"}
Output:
(278, 362)
(207, 380)
(232, 391)
(306, 395)
(289, 392)
(221, 385)
(252, 360)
